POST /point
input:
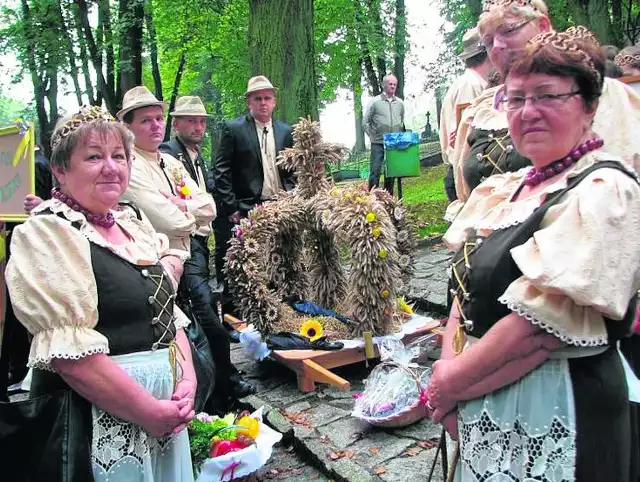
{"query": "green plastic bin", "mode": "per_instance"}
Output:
(403, 162)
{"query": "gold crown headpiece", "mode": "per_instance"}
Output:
(566, 42)
(86, 115)
(489, 4)
(626, 59)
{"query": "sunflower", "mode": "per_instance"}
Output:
(311, 329)
(404, 306)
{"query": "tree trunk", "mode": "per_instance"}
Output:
(593, 14)
(357, 107)
(174, 92)
(131, 21)
(44, 133)
(616, 21)
(600, 21)
(96, 57)
(71, 56)
(282, 48)
(439, 95)
(104, 14)
(153, 50)
(400, 41)
(365, 47)
(381, 62)
(84, 58)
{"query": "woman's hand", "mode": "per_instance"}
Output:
(169, 416)
(441, 399)
(174, 267)
(185, 390)
(450, 424)
(31, 202)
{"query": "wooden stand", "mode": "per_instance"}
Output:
(314, 366)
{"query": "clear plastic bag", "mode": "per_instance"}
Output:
(398, 385)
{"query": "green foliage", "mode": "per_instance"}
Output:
(12, 109)
(201, 434)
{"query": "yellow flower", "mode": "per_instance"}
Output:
(404, 306)
(311, 329)
(185, 191)
(370, 217)
(375, 232)
(383, 253)
(384, 293)
(358, 199)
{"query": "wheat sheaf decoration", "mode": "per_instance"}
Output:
(295, 246)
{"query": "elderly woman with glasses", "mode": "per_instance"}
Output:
(543, 286)
(95, 286)
(483, 146)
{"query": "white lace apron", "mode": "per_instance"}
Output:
(525, 431)
(124, 452)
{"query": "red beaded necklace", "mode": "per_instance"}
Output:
(535, 176)
(104, 220)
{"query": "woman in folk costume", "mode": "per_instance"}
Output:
(94, 284)
(628, 59)
(544, 284)
(483, 146)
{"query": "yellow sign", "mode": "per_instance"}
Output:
(17, 177)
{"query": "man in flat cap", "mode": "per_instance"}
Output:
(245, 172)
(189, 122)
(463, 90)
(177, 206)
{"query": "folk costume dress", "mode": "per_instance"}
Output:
(567, 260)
(79, 295)
(484, 147)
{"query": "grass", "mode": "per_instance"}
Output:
(425, 198)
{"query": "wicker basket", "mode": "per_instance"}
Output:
(412, 414)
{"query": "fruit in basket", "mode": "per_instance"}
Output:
(224, 447)
(248, 426)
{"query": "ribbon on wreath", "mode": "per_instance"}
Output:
(231, 470)
(26, 142)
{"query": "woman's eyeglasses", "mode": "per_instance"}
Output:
(541, 100)
(505, 31)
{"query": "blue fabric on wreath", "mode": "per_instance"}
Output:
(400, 141)
(313, 309)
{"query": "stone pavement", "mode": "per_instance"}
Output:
(321, 441)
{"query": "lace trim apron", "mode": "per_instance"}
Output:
(123, 451)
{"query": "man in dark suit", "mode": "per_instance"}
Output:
(245, 172)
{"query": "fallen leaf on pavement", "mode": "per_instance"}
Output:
(380, 470)
(341, 454)
(427, 444)
(374, 450)
(412, 452)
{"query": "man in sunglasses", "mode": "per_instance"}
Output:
(245, 171)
